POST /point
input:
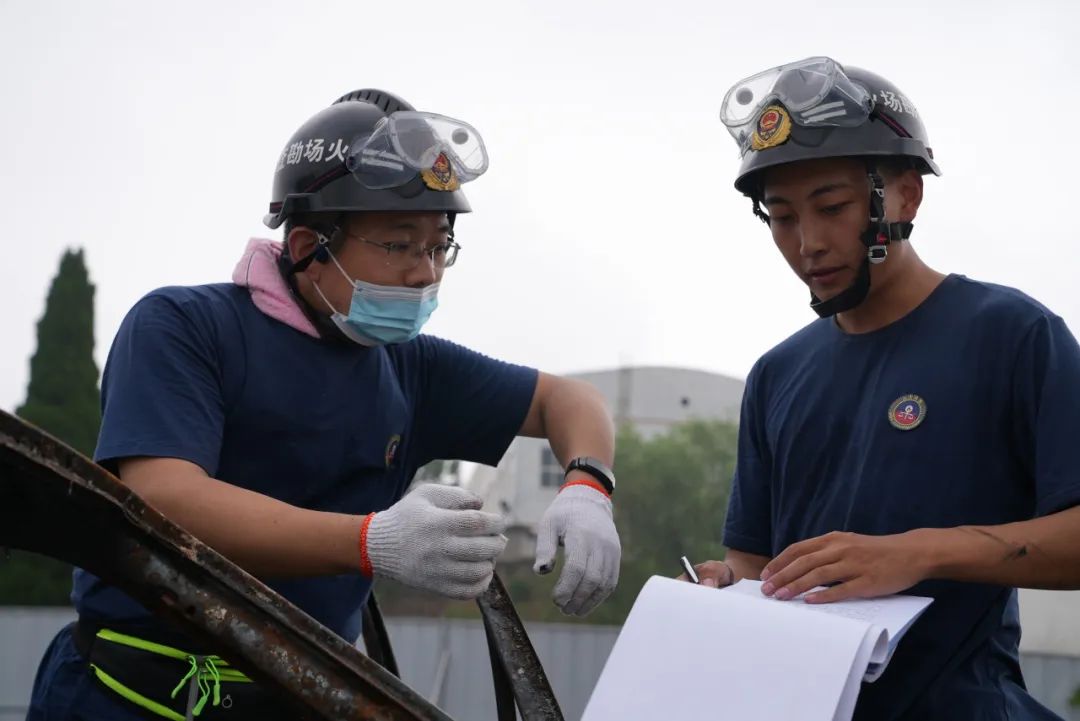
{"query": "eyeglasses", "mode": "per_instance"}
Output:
(407, 256)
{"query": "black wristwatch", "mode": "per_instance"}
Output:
(594, 468)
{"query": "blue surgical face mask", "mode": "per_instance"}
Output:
(383, 314)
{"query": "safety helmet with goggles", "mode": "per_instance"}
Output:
(372, 151)
(816, 108)
(816, 90)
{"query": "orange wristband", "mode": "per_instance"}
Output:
(591, 484)
(365, 560)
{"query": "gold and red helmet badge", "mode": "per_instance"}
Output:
(441, 175)
(773, 128)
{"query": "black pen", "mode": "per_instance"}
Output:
(688, 569)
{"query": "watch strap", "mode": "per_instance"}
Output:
(595, 468)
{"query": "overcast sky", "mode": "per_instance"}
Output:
(607, 230)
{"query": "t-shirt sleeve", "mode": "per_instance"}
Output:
(161, 390)
(1046, 393)
(748, 526)
(472, 406)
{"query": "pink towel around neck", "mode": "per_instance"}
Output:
(258, 272)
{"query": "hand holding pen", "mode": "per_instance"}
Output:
(713, 574)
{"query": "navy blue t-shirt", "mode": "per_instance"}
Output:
(201, 374)
(985, 433)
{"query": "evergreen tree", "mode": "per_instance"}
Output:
(62, 399)
(63, 394)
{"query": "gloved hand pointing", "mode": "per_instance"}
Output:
(580, 520)
(435, 538)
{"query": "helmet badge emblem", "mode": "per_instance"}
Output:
(773, 128)
(441, 175)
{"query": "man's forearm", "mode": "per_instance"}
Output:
(1040, 553)
(576, 422)
(266, 537)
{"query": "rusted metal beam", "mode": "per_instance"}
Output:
(514, 652)
(56, 502)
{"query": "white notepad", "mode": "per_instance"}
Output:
(891, 614)
(688, 651)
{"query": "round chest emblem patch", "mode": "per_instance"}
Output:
(392, 448)
(907, 412)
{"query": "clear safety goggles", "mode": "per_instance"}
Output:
(406, 143)
(815, 91)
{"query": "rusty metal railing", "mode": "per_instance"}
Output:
(56, 502)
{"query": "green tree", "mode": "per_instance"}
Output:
(62, 399)
(63, 394)
(672, 499)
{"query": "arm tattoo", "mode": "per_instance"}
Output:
(1013, 551)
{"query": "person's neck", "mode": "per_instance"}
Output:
(306, 299)
(892, 299)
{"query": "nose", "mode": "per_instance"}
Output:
(812, 239)
(424, 274)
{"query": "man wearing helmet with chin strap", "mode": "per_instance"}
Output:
(281, 418)
(918, 437)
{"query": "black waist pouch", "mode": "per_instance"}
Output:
(166, 683)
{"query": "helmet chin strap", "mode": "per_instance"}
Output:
(848, 298)
(290, 269)
(876, 238)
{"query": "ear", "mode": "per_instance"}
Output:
(303, 241)
(908, 191)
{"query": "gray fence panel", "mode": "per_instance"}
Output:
(573, 656)
(25, 633)
(1053, 680)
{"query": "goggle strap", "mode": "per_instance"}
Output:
(326, 178)
(895, 126)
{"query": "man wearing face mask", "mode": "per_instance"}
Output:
(281, 418)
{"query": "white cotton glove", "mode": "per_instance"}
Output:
(437, 538)
(580, 520)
